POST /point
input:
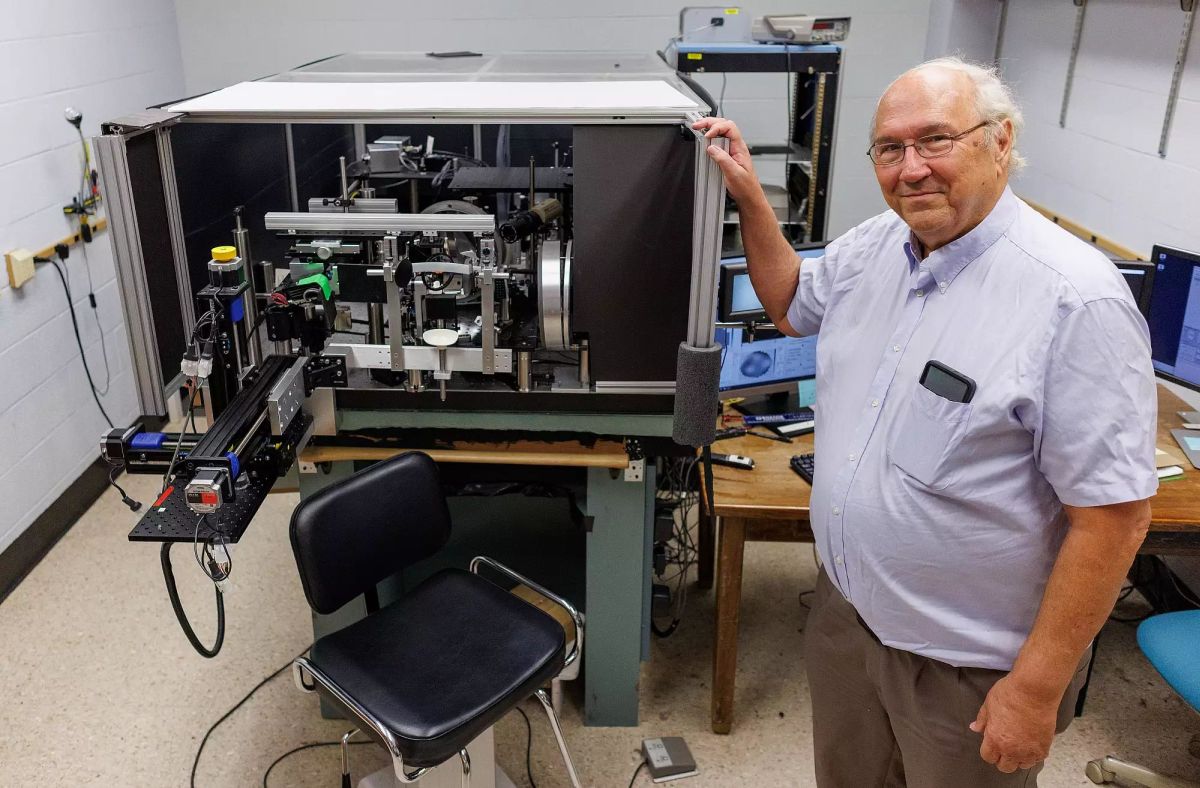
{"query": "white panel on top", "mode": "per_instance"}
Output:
(354, 99)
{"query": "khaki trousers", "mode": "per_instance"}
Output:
(886, 717)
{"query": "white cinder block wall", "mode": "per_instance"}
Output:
(1103, 170)
(105, 59)
(227, 41)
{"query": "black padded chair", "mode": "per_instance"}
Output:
(428, 673)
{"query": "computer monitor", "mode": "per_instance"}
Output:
(1174, 315)
(1139, 276)
(762, 361)
(736, 300)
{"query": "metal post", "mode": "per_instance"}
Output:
(585, 362)
(1176, 78)
(1079, 15)
(112, 158)
(532, 183)
(183, 286)
(375, 323)
(391, 259)
(706, 242)
(524, 370)
(1000, 32)
(241, 238)
(291, 160)
(487, 305)
(360, 140)
(345, 183)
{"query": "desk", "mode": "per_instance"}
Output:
(618, 548)
(771, 502)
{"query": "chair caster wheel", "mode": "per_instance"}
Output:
(1096, 772)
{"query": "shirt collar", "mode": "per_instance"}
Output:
(946, 263)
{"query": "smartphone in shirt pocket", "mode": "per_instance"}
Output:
(931, 425)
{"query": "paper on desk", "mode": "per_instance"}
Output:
(1164, 458)
(1170, 472)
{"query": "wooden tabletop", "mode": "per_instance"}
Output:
(773, 490)
(601, 454)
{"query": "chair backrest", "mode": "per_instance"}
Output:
(358, 531)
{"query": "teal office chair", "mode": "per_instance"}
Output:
(1171, 642)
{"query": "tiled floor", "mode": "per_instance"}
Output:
(101, 688)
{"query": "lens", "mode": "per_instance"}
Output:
(887, 154)
(935, 146)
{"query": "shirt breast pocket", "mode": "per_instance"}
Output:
(927, 432)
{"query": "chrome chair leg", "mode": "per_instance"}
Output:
(465, 757)
(558, 735)
(346, 756)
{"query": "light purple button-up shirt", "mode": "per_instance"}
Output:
(940, 521)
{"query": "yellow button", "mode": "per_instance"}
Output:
(224, 253)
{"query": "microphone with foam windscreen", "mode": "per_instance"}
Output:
(697, 379)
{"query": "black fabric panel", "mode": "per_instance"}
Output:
(218, 167)
(316, 148)
(158, 257)
(631, 277)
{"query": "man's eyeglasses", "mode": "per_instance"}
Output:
(932, 146)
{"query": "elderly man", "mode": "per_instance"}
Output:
(985, 446)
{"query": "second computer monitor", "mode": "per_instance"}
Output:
(1174, 317)
(736, 300)
(763, 360)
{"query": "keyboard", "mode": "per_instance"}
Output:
(803, 465)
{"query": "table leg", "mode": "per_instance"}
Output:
(617, 566)
(731, 544)
(708, 554)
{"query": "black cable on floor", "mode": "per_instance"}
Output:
(636, 772)
(528, 748)
(238, 705)
(301, 748)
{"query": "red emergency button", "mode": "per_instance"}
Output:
(209, 498)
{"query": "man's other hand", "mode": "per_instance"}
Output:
(740, 180)
(1017, 726)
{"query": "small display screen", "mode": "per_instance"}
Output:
(1193, 444)
(744, 298)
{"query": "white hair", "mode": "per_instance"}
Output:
(994, 101)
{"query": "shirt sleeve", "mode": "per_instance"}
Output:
(815, 284)
(1100, 407)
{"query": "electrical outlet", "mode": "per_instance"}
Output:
(19, 263)
(635, 471)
